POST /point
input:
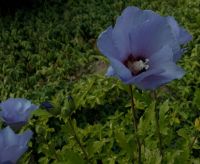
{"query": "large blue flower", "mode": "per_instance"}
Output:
(12, 145)
(16, 111)
(143, 48)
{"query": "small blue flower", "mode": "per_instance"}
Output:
(143, 48)
(13, 145)
(16, 111)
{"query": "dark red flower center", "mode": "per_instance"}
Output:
(136, 65)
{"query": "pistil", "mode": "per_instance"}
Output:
(137, 66)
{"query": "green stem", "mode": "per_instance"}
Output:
(158, 126)
(193, 141)
(135, 125)
(78, 140)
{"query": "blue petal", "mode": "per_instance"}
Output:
(137, 79)
(25, 105)
(8, 104)
(110, 71)
(107, 46)
(132, 17)
(12, 153)
(171, 72)
(123, 25)
(13, 145)
(161, 57)
(181, 34)
(25, 137)
(120, 69)
(184, 36)
(164, 59)
(8, 136)
(151, 36)
(151, 82)
(33, 107)
(115, 42)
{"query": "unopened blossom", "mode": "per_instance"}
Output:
(143, 48)
(47, 105)
(13, 146)
(16, 111)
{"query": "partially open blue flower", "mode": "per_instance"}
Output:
(16, 111)
(12, 145)
(143, 48)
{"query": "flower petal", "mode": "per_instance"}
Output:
(172, 71)
(120, 69)
(184, 36)
(13, 145)
(164, 59)
(151, 36)
(153, 81)
(8, 136)
(161, 57)
(107, 46)
(132, 17)
(110, 71)
(181, 34)
(137, 79)
(25, 137)
(150, 82)
(13, 153)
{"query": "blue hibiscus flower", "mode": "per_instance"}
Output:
(16, 111)
(143, 48)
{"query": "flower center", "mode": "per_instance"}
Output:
(136, 66)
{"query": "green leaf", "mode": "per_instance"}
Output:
(41, 113)
(146, 122)
(164, 108)
(183, 132)
(152, 156)
(163, 117)
(95, 147)
(125, 142)
(196, 99)
(197, 123)
(69, 157)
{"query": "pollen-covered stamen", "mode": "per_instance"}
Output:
(137, 66)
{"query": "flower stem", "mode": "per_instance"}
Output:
(158, 126)
(135, 125)
(78, 140)
(193, 141)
